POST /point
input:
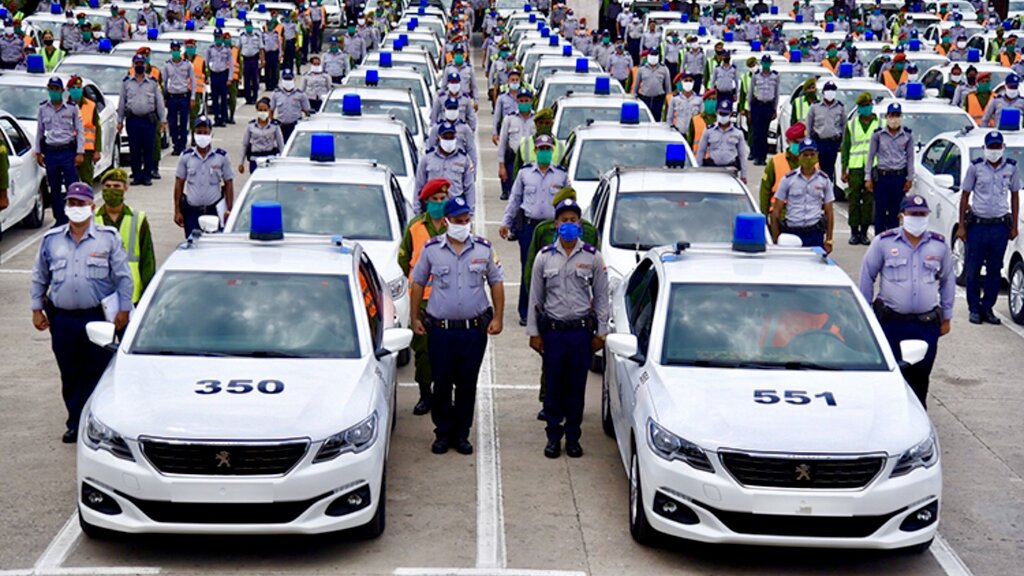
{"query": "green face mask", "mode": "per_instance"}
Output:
(248, 29)
(525, 107)
(113, 197)
(832, 53)
(544, 157)
(75, 93)
(808, 162)
(176, 55)
(865, 109)
(56, 95)
(334, 49)
(190, 51)
(436, 209)
(218, 41)
(351, 30)
(710, 106)
(606, 41)
(984, 87)
(766, 66)
(459, 59)
(794, 148)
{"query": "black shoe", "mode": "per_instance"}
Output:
(231, 120)
(440, 446)
(522, 321)
(70, 436)
(176, 153)
(542, 416)
(854, 239)
(219, 125)
(156, 175)
(990, 318)
(573, 449)
(136, 182)
(975, 318)
(422, 407)
(147, 182)
(504, 196)
(462, 446)
(553, 449)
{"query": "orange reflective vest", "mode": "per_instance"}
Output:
(238, 65)
(155, 73)
(199, 67)
(974, 107)
(891, 82)
(88, 111)
(698, 130)
(420, 237)
(364, 285)
(831, 67)
(1006, 61)
(941, 50)
(781, 165)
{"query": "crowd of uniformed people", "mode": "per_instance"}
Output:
(685, 76)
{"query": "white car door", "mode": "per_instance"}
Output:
(924, 183)
(641, 297)
(23, 187)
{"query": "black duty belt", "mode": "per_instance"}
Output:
(547, 324)
(885, 313)
(884, 172)
(69, 147)
(79, 313)
(478, 322)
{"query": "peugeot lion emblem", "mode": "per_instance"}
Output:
(224, 459)
(803, 473)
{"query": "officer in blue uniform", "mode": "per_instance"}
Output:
(916, 290)
(79, 265)
(458, 319)
(989, 208)
(890, 167)
(808, 195)
(60, 144)
(207, 174)
(141, 110)
(567, 322)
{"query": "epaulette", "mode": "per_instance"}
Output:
(1010, 161)
(792, 172)
(527, 165)
(429, 150)
(938, 236)
(978, 160)
(55, 230)
(220, 151)
(253, 121)
(482, 240)
(589, 248)
(188, 151)
(464, 151)
(105, 228)
(435, 240)
(548, 248)
(275, 122)
(908, 130)
(889, 233)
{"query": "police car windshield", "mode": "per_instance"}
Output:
(22, 102)
(926, 126)
(576, 116)
(657, 218)
(384, 148)
(790, 79)
(249, 314)
(558, 89)
(402, 111)
(769, 326)
(356, 211)
(107, 77)
(397, 83)
(848, 96)
(598, 156)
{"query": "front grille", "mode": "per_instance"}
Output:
(224, 459)
(796, 472)
(802, 526)
(234, 513)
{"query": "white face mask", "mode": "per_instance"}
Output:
(829, 95)
(993, 155)
(458, 231)
(70, 21)
(955, 77)
(915, 225)
(288, 84)
(687, 86)
(1012, 92)
(78, 214)
(451, 115)
(724, 119)
(652, 60)
(263, 114)
(204, 140)
(513, 86)
(448, 145)
(317, 68)
(961, 44)
(454, 88)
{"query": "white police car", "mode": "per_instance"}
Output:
(577, 110)
(754, 400)
(253, 393)
(26, 191)
(412, 57)
(398, 104)
(549, 66)
(397, 78)
(925, 117)
(561, 84)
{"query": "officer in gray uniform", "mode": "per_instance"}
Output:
(891, 158)
(272, 57)
(465, 136)
(250, 48)
(651, 38)
(620, 63)
(115, 28)
(70, 33)
(723, 144)
(1010, 98)
(725, 79)
(181, 86)
(916, 289)
(454, 89)
(222, 67)
(11, 48)
(289, 104)
(763, 106)
(989, 211)
(209, 178)
(450, 162)
(79, 264)
(141, 110)
(808, 195)
(457, 320)
(514, 128)
(694, 61)
(826, 121)
(355, 46)
(336, 62)
(60, 144)
(463, 69)
(262, 137)
(652, 84)
(567, 322)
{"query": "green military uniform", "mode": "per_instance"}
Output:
(853, 158)
(135, 234)
(801, 105)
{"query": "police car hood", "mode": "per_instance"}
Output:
(172, 397)
(716, 408)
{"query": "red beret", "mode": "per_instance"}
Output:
(710, 93)
(796, 132)
(433, 187)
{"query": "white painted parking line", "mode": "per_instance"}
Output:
(22, 246)
(482, 572)
(947, 558)
(51, 562)
(13, 271)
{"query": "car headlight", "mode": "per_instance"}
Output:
(398, 287)
(99, 436)
(355, 439)
(924, 455)
(671, 447)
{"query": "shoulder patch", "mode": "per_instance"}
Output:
(108, 229)
(889, 233)
(435, 240)
(937, 236)
(907, 130)
(253, 121)
(792, 172)
(221, 152)
(977, 160)
(1010, 161)
(429, 150)
(589, 248)
(548, 248)
(188, 151)
(482, 240)
(55, 230)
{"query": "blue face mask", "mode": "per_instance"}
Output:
(570, 231)
(436, 209)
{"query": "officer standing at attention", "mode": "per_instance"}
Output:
(764, 103)
(427, 225)
(60, 144)
(457, 320)
(725, 78)
(891, 158)
(289, 104)
(78, 265)
(180, 83)
(652, 84)
(808, 195)
(853, 155)
(133, 227)
(825, 122)
(534, 187)
(207, 172)
(1010, 98)
(465, 137)
(723, 144)
(450, 162)
(336, 62)
(989, 209)
(567, 323)
(262, 137)
(685, 104)
(91, 128)
(514, 128)
(142, 103)
(915, 300)
(222, 68)
(781, 165)
(250, 45)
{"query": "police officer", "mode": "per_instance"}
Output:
(457, 320)
(133, 227)
(262, 137)
(11, 47)
(463, 69)
(465, 137)
(620, 63)
(70, 33)
(652, 84)
(207, 172)
(568, 319)
(60, 144)
(354, 45)
(336, 62)
(454, 89)
(514, 128)
(694, 62)
(725, 78)
(891, 162)
(289, 104)
(222, 67)
(250, 45)
(449, 161)
(271, 55)
(115, 28)
(1010, 98)
(853, 155)
(534, 187)
(764, 102)
(781, 165)
(78, 266)
(180, 83)
(685, 104)
(723, 144)
(916, 291)
(429, 224)
(989, 208)
(316, 83)
(141, 108)
(808, 195)
(825, 122)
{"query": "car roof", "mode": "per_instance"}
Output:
(339, 171)
(615, 130)
(370, 93)
(111, 59)
(930, 106)
(975, 138)
(719, 264)
(18, 78)
(594, 101)
(657, 178)
(235, 252)
(374, 124)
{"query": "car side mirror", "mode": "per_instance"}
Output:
(625, 345)
(393, 340)
(944, 180)
(789, 241)
(912, 351)
(209, 224)
(932, 92)
(101, 334)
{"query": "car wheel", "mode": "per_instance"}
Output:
(375, 527)
(607, 424)
(597, 363)
(1016, 292)
(959, 260)
(404, 356)
(919, 548)
(639, 527)
(37, 216)
(95, 532)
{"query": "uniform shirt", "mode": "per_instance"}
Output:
(694, 61)
(115, 28)
(271, 41)
(355, 47)
(259, 138)
(11, 48)
(249, 45)
(672, 51)
(635, 30)
(858, 67)
(996, 105)
(140, 98)
(288, 106)
(533, 191)
(569, 26)
(79, 276)
(464, 135)
(180, 77)
(70, 36)
(891, 152)
(316, 85)
(513, 129)
(725, 147)
(619, 65)
(170, 26)
(653, 81)
(991, 186)
(725, 79)
(505, 105)
(826, 121)
(765, 88)
(152, 18)
(59, 126)
(204, 176)
(876, 22)
(650, 40)
(568, 286)
(601, 53)
(465, 72)
(961, 92)
(218, 59)
(583, 42)
(914, 280)
(623, 20)
(957, 55)
(682, 109)
(805, 197)
(457, 279)
(290, 30)
(336, 64)
(466, 112)
(456, 167)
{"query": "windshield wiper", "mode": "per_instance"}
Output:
(183, 353)
(791, 365)
(269, 354)
(806, 365)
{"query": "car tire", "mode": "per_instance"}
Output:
(958, 249)
(607, 424)
(404, 356)
(95, 532)
(1016, 292)
(639, 528)
(921, 548)
(597, 362)
(37, 216)
(375, 527)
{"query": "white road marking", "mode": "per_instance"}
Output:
(482, 572)
(947, 558)
(22, 246)
(13, 271)
(61, 546)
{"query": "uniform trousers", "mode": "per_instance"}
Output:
(421, 358)
(289, 55)
(60, 174)
(142, 144)
(81, 362)
(219, 90)
(524, 235)
(888, 195)
(729, 95)
(179, 106)
(809, 237)
(656, 104)
(315, 37)
(760, 119)
(828, 150)
(917, 375)
(862, 203)
(510, 164)
(455, 359)
(251, 78)
(566, 362)
(673, 69)
(986, 244)
(633, 47)
(286, 130)
(270, 70)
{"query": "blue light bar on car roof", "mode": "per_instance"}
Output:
(748, 233)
